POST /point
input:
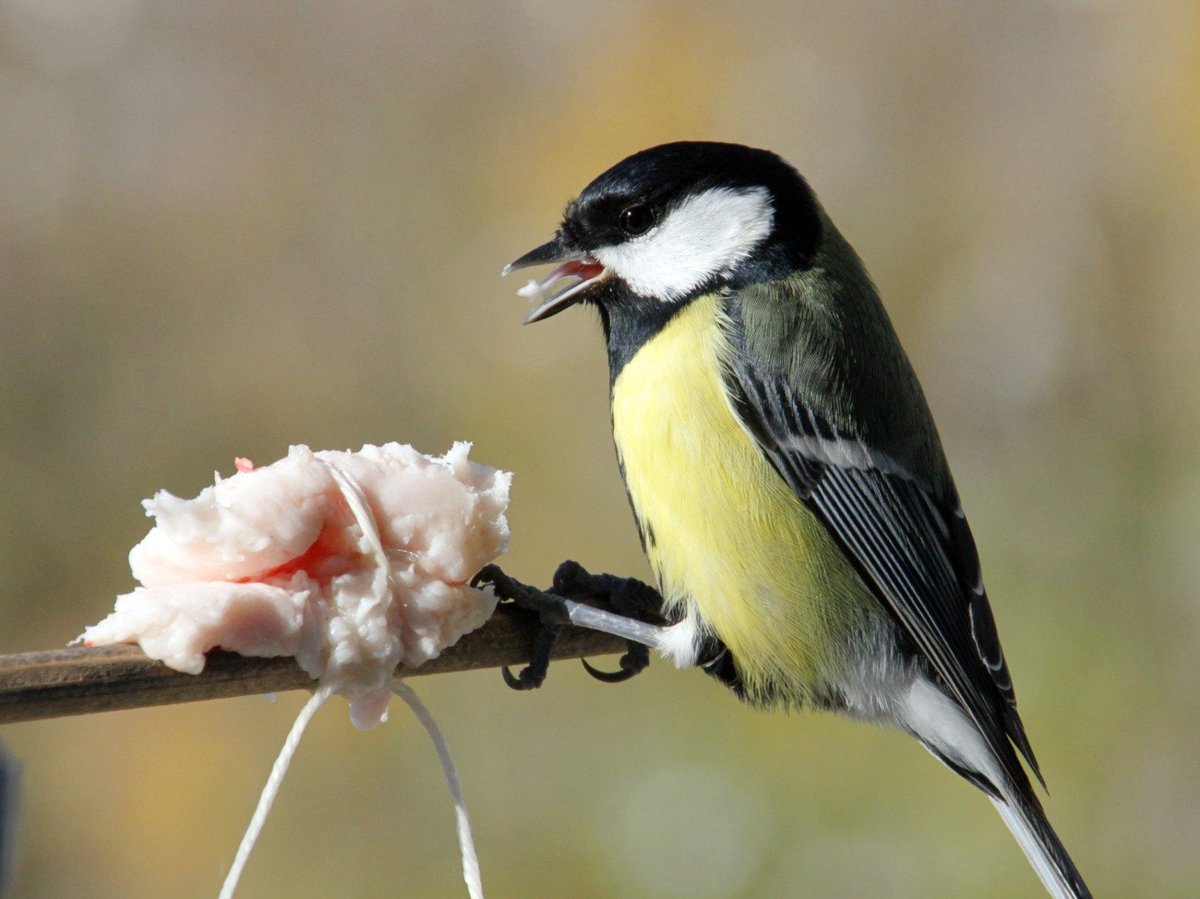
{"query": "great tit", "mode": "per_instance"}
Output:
(786, 477)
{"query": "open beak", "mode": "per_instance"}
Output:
(565, 286)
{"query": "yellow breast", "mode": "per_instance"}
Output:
(725, 535)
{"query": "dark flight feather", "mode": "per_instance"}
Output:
(913, 548)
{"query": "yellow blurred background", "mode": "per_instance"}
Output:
(227, 227)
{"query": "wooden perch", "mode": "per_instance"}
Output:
(81, 680)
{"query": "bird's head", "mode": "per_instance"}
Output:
(675, 221)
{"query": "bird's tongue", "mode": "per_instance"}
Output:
(584, 269)
(575, 272)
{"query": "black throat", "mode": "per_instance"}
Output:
(629, 322)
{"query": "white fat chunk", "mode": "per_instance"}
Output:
(533, 290)
(273, 561)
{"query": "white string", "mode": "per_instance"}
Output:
(361, 510)
(271, 790)
(466, 843)
(364, 517)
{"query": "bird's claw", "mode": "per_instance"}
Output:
(528, 679)
(633, 663)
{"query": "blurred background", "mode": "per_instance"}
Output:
(226, 228)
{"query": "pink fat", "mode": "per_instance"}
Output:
(334, 552)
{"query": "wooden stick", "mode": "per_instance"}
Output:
(81, 680)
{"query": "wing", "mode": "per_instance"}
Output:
(913, 548)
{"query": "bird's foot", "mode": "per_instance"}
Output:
(626, 596)
(552, 617)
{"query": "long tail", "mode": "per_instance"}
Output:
(1042, 847)
(946, 731)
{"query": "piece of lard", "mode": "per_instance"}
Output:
(354, 563)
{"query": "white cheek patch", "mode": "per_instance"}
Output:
(705, 235)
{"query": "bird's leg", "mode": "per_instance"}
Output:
(556, 608)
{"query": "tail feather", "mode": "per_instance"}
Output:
(952, 737)
(1043, 848)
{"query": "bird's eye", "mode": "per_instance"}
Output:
(636, 220)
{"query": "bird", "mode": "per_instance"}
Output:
(786, 477)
